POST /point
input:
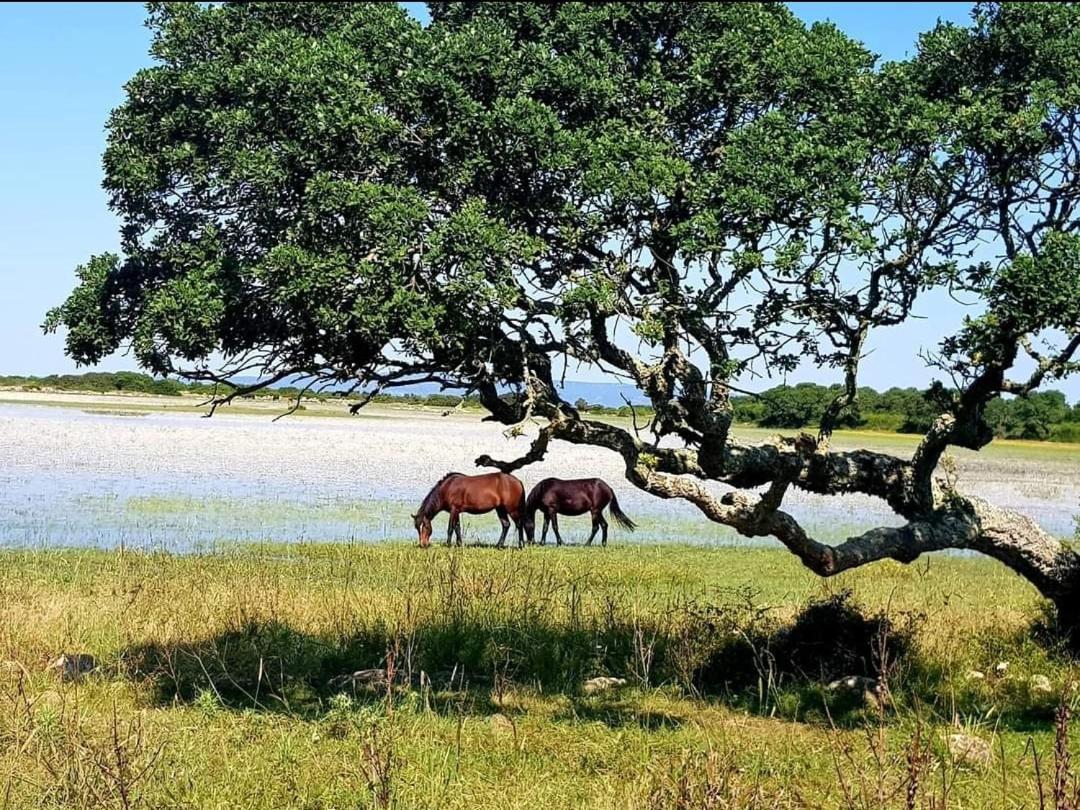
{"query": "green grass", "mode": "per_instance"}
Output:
(217, 679)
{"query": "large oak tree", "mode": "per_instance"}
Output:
(686, 196)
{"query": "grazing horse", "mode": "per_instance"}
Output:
(473, 494)
(555, 497)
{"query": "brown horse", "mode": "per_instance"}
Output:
(555, 497)
(473, 494)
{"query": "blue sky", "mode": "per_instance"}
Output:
(62, 69)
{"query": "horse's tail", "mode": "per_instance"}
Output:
(523, 501)
(619, 516)
(532, 502)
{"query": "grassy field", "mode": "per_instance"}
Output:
(219, 680)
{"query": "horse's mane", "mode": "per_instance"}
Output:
(427, 506)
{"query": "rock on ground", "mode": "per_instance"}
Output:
(72, 666)
(971, 751)
(873, 693)
(1040, 683)
(602, 684)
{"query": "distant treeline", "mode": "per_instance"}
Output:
(132, 382)
(102, 382)
(1042, 416)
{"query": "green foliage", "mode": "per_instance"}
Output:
(332, 192)
(284, 143)
(1067, 432)
(1040, 416)
(1013, 82)
(322, 183)
(796, 406)
(1030, 417)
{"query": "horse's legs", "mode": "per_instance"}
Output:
(501, 512)
(519, 526)
(595, 528)
(457, 527)
(450, 528)
(603, 529)
(543, 533)
(555, 526)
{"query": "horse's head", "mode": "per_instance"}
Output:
(423, 529)
(529, 525)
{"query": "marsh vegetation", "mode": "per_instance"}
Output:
(228, 678)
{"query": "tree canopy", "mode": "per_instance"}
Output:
(688, 196)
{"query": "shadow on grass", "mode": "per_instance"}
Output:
(736, 654)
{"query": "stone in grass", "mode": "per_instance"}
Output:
(602, 684)
(975, 675)
(872, 692)
(501, 724)
(970, 751)
(1040, 683)
(72, 666)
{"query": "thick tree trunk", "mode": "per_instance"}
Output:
(1020, 543)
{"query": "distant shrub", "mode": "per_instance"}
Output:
(738, 645)
(885, 422)
(833, 638)
(1065, 432)
(168, 388)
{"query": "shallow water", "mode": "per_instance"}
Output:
(179, 481)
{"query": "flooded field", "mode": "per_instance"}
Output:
(151, 478)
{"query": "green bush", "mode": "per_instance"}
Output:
(885, 422)
(1065, 432)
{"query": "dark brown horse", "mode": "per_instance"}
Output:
(474, 495)
(555, 497)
